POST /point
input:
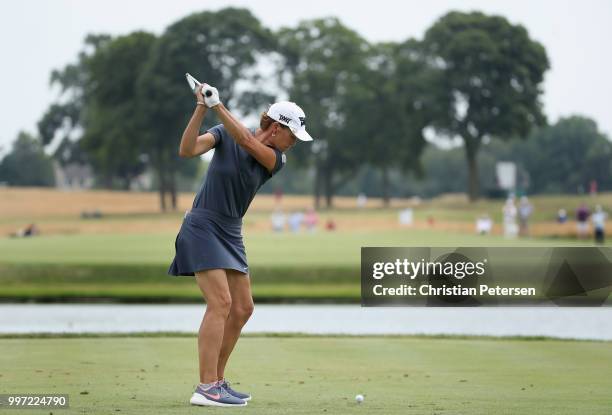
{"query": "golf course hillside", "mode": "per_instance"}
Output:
(123, 254)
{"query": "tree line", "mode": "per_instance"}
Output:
(473, 77)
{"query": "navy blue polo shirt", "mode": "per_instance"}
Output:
(233, 177)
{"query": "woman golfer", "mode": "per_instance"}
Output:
(209, 244)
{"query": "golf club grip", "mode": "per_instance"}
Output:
(208, 93)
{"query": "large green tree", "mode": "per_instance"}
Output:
(493, 71)
(220, 48)
(327, 63)
(114, 125)
(404, 94)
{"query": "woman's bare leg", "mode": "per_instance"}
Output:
(215, 289)
(241, 310)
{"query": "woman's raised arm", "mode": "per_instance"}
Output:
(193, 144)
(262, 153)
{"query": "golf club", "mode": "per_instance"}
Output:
(194, 84)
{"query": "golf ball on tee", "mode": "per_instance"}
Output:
(359, 398)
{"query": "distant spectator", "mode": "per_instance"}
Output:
(278, 220)
(599, 224)
(593, 187)
(295, 221)
(406, 216)
(311, 219)
(561, 216)
(29, 230)
(278, 196)
(484, 224)
(330, 225)
(582, 218)
(524, 212)
(509, 213)
(362, 200)
(94, 213)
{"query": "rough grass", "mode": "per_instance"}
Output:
(138, 212)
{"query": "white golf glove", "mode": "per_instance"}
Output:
(211, 95)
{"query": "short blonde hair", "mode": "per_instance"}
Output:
(265, 122)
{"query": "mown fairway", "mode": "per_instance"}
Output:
(319, 375)
(132, 267)
(264, 249)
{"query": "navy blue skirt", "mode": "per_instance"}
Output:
(208, 240)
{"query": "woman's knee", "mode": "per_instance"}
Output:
(242, 312)
(221, 304)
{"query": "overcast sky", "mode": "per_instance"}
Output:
(38, 36)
